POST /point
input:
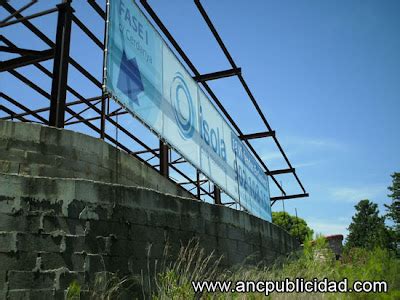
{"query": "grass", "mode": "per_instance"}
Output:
(315, 261)
(173, 279)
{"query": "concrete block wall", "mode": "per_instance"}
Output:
(54, 230)
(33, 149)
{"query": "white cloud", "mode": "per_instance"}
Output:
(270, 156)
(300, 146)
(314, 143)
(308, 164)
(328, 227)
(355, 194)
(303, 152)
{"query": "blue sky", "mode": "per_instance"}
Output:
(327, 76)
(325, 73)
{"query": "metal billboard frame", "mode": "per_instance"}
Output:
(58, 51)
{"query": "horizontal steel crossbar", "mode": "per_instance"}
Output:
(218, 75)
(257, 135)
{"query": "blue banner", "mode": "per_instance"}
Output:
(145, 76)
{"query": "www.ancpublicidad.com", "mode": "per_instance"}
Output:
(298, 285)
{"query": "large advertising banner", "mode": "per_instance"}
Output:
(144, 75)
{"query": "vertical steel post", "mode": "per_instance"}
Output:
(104, 94)
(103, 117)
(60, 67)
(164, 159)
(217, 195)
(198, 183)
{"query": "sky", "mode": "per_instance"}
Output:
(326, 74)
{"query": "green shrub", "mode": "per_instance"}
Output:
(74, 291)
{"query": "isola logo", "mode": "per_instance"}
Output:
(183, 107)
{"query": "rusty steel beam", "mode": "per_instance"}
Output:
(39, 14)
(281, 171)
(19, 11)
(257, 135)
(60, 65)
(23, 107)
(273, 199)
(217, 195)
(44, 109)
(12, 113)
(11, 49)
(26, 60)
(97, 8)
(218, 75)
(164, 159)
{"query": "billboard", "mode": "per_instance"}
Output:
(144, 75)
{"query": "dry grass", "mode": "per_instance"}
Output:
(172, 279)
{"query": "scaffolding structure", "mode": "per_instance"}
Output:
(67, 107)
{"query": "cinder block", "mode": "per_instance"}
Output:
(30, 280)
(4, 141)
(115, 264)
(40, 158)
(42, 294)
(189, 223)
(252, 237)
(31, 203)
(89, 212)
(23, 261)
(68, 225)
(211, 228)
(7, 166)
(19, 222)
(94, 263)
(26, 132)
(244, 248)
(267, 242)
(186, 206)
(42, 242)
(72, 261)
(120, 247)
(235, 233)
(14, 155)
(81, 243)
(74, 208)
(209, 243)
(227, 244)
(8, 242)
(222, 230)
(127, 214)
(146, 233)
(7, 203)
(158, 219)
(3, 281)
(105, 228)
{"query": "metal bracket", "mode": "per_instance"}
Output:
(218, 75)
(281, 171)
(257, 135)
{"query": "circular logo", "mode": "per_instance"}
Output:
(183, 106)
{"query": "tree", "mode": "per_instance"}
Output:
(367, 229)
(393, 210)
(297, 227)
